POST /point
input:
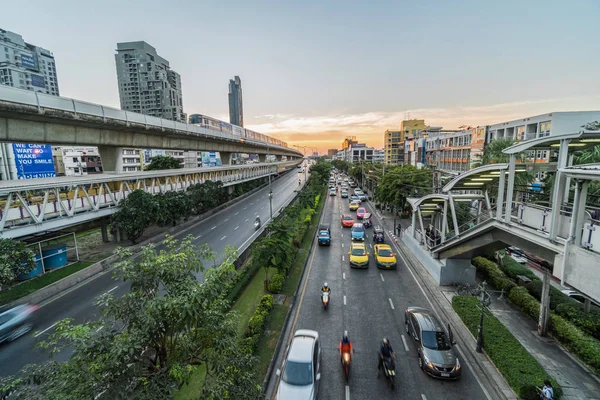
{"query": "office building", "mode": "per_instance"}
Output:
(393, 142)
(147, 84)
(448, 150)
(76, 161)
(358, 152)
(378, 156)
(25, 66)
(349, 141)
(236, 107)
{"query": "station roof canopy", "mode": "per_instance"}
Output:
(586, 172)
(478, 178)
(433, 202)
(578, 141)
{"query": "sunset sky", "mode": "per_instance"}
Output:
(314, 72)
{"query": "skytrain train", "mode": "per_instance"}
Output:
(216, 125)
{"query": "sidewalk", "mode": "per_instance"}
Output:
(578, 382)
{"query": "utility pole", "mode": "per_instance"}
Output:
(544, 304)
(270, 191)
(480, 329)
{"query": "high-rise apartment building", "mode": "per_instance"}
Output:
(393, 142)
(147, 84)
(236, 108)
(25, 66)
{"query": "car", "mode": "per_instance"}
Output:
(362, 197)
(378, 235)
(353, 206)
(332, 192)
(360, 212)
(345, 179)
(367, 220)
(345, 186)
(331, 185)
(358, 232)
(359, 258)
(385, 257)
(324, 236)
(16, 321)
(354, 198)
(344, 194)
(575, 295)
(332, 180)
(347, 221)
(301, 370)
(435, 347)
(353, 185)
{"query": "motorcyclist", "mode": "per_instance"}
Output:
(345, 345)
(385, 351)
(257, 221)
(325, 288)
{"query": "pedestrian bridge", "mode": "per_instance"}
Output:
(565, 231)
(35, 206)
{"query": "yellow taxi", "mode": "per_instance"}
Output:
(354, 205)
(359, 258)
(385, 257)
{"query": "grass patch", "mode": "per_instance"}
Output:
(30, 286)
(268, 343)
(250, 297)
(191, 390)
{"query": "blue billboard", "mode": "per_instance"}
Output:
(38, 81)
(27, 61)
(211, 159)
(33, 161)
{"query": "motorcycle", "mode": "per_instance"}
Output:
(325, 299)
(256, 224)
(346, 364)
(389, 370)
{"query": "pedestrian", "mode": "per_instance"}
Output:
(398, 230)
(547, 392)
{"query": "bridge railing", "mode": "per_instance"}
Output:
(42, 100)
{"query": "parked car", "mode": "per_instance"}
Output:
(359, 257)
(16, 322)
(358, 232)
(435, 347)
(378, 235)
(385, 257)
(300, 374)
(324, 235)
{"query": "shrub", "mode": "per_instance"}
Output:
(522, 372)
(512, 269)
(490, 271)
(588, 322)
(276, 283)
(241, 280)
(526, 302)
(585, 347)
(556, 296)
(257, 322)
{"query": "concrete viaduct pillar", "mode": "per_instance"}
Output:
(262, 158)
(112, 158)
(226, 157)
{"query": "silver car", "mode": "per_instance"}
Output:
(16, 322)
(300, 373)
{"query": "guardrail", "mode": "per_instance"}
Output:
(46, 101)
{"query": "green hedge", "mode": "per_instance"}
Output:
(584, 346)
(492, 274)
(512, 268)
(241, 280)
(276, 283)
(588, 322)
(526, 302)
(257, 322)
(522, 372)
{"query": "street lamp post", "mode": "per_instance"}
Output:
(270, 190)
(480, 329)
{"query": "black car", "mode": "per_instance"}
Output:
(435, 346)
(378, 235)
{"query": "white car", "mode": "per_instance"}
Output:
(300, 373)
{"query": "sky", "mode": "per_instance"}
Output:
(314, 72)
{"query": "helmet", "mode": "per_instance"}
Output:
(325, 285)
(345, 337)
(386, 342)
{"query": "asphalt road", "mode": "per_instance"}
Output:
(370, 305)
(234, 225)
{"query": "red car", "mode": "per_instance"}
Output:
(360, 213)
(347, 221)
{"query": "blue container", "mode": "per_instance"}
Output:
(35, 271)
(55, 257)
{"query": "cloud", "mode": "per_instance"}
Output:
(328, 131)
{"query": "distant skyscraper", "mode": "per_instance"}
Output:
(147, 85)
(25, 66)
(236, 109)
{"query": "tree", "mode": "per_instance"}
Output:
(402, 182)
(136, 212)
(493, 153)
(15, 259)
(171, 207)
(148, 341)
(274, 251)
(207, 195)
(162, 162)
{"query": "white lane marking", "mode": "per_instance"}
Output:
(404, 343)
(391, 304)
(47, 329)
(236, 213)
(342, 244)
(111, 290)
(223, 237)
(343, 275)
(371, 245)
(226, 220)
(246, 220)
(214, 227)
(382, 280)
(344, 299)
(262, 208)
(198, 237)
(342, 235)
(342, 258)
(347, 392)
(236, 228)
(245, 208)
(423, 396)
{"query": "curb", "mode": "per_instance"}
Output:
(106, 265)
(289, 313)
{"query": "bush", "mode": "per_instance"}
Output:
(490, 272)
(276, 283)
(588, 322)
(257, 322)
(526, 302)
(241, 280)
(512, 269)
(585, 347)
(522, 372)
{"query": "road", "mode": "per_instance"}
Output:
(370, 305)
(234, 225)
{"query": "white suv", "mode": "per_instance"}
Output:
(300, 373)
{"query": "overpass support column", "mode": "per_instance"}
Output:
(225, 157)
(112, 158)
(558, 192)
(575, 229)
(568, 180)
(262, 158)
(511, 188)
(501, 188)
(104, 231)
(413, 227)
(445, 221)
